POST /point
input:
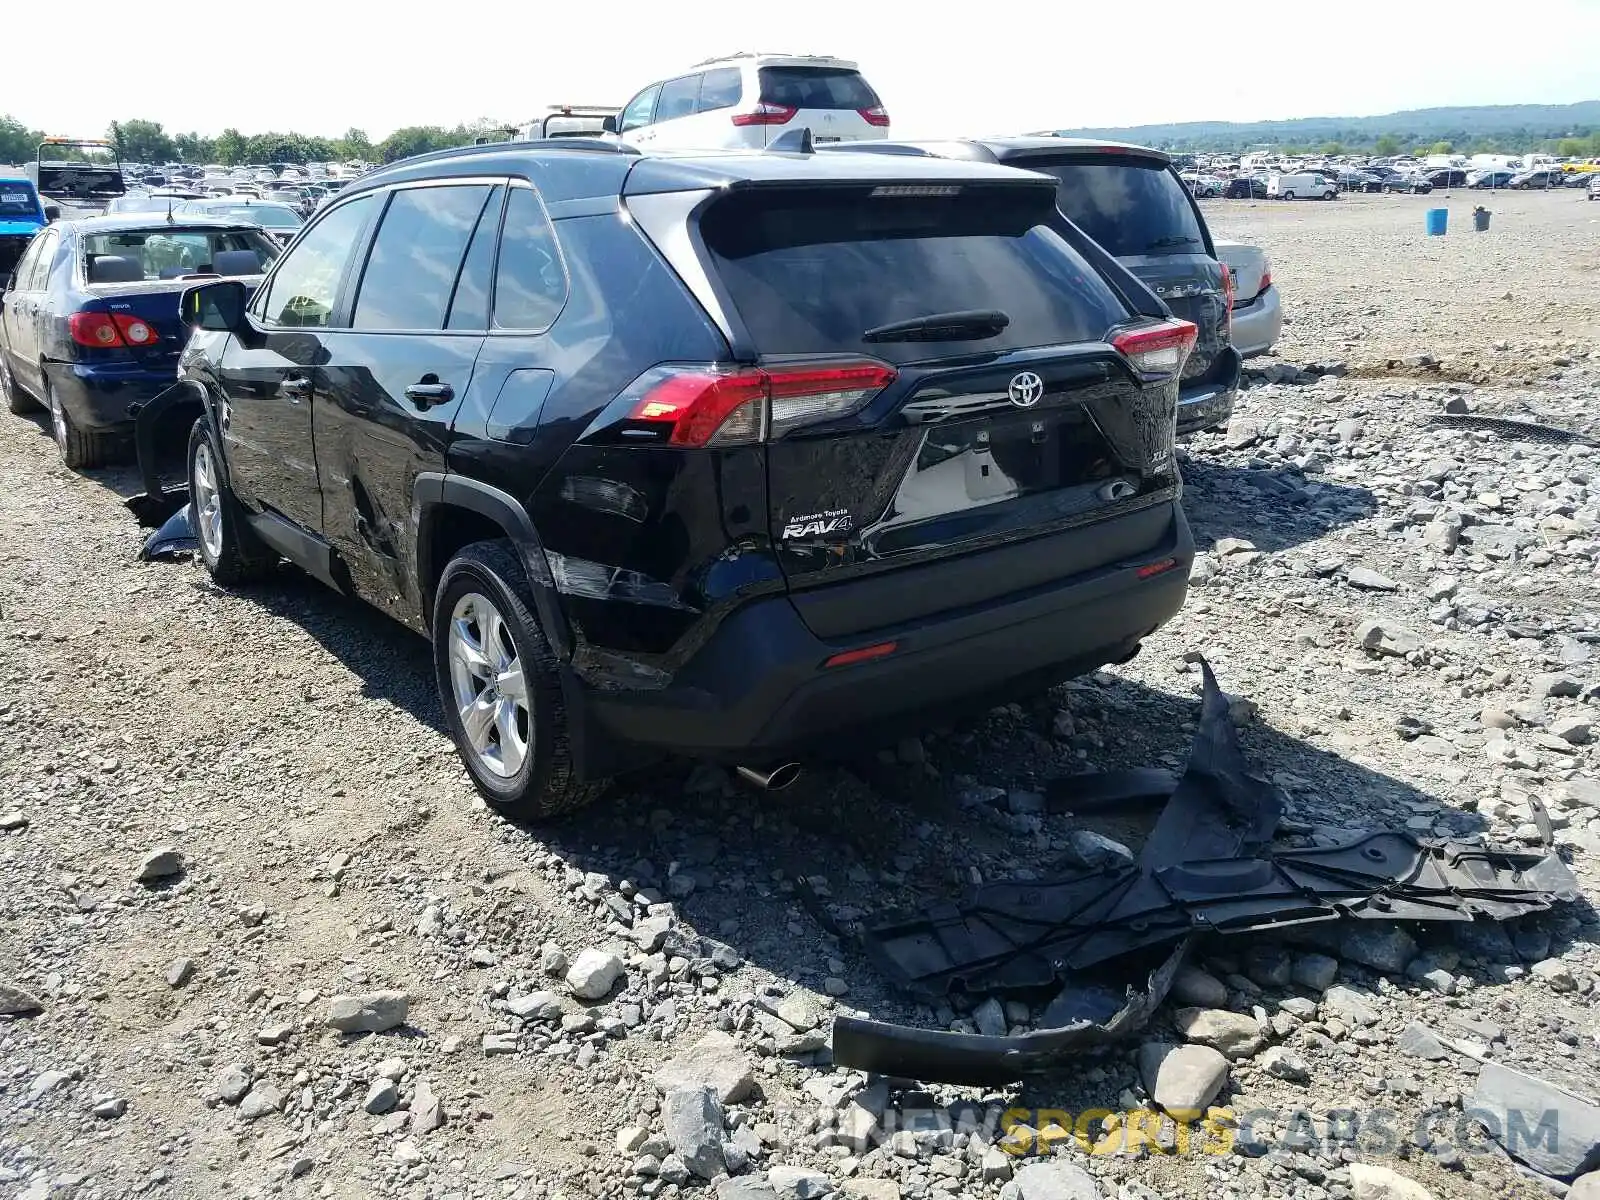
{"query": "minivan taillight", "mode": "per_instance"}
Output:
(1157, 351)
(876, 115)
(707, 406)
(766, 113)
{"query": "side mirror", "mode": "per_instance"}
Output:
(609, 125)
(52, 212)
(218, 307)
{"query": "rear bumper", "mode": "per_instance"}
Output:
(96, 396)
(757, 690)
(1208, 401)
(1256, 325)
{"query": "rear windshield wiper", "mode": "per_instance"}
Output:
(1168, 243)
(972, 324)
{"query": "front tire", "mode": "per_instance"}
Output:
(80, 448)
(1327, 195)
(500, 689)
(230, 551)
(18, 402)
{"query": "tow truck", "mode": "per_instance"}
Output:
(81, 173)
(571, 120)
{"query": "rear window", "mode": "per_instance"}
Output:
(173, 251)
(816, 87)
(16, 200)
(810, 272)
(1129, 207)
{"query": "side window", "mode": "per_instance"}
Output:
(304, 290)
(39, 278)
(639, 109)
(469, 307)
(678, 98)
(416, 257)
(720, 89)
(530, 283)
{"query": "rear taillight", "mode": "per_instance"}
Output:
(706, 406)
(1228, 285)
(135, 331)
(1266, 278)
(876, 115)
(95, 329)
(766, 113)
(1157, 350)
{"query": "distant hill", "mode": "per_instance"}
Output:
(1509, 126)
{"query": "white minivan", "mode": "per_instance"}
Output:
(745, 101)
(1304, 186)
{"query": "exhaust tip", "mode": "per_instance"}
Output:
(773, 780)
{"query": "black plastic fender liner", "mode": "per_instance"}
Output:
(176, 536)
(158, 501)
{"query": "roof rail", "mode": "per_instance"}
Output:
(566, 143)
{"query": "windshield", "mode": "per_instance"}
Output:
(94, 153)
(811, 272)
(257, 214)
(1129, 206)
(16, 200)
(168, 253)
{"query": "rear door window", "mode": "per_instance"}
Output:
(416, 257)
(816, 87)
(810, 271)
(1129, 206)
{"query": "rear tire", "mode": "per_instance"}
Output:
(500, 690)
(1288, 195)
(228, 548)
(18, 402)
(80, 448)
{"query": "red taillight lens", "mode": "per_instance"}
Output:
(864, 654)
(704, 406)
(1228, 284)
(876, 115)
(1266, 279)
(1158, 349)
(766, 113)
(94, 329)
(135, 331)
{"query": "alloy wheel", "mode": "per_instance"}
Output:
(7, 384)
(58, 415)
(491, 692)
(207, 501)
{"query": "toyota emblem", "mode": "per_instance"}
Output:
(1026, 389)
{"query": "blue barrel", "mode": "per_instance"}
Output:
(1438, 218)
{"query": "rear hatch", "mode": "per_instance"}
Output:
(834, 102)
(1011, 418)
(1136, 207)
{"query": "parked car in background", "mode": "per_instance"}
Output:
(159, 200)
(1594, 187)
(1257, 307)
(1302, 186)
(1252, 187)
(281, 221)
(783, 503)
(1447, 177)
(90, 322)
(1407, 183)
(21, 216)
(1131, 202)
(746, 100)
(1357, 181)
(1496, 177)
(1545, 177)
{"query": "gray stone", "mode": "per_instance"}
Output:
(1182, 1079)
(13, 820)
(1581, 791)
(535, 1006)
(990, 1018)
(996, 1165)
(1242, 433)
(1369, 580)
(1093, 850)
(1355, 1007)
(381, 1097)
(499, 1043)
(691, 1117)
(800, 1010)
(1418, 1041)
(1382, 637)
(1569, 1142)
(426, 1112)
(1267, 965)
(1577, 730)
(1586, 1187)
(161, 863)
(262, 1099)
(630, 1138)
(1198, 988)
(17, 1001)
(715, 1061)
(1556, 683)
(233, 1082)
(179, 972)
(1386, 948)
(372, 1012)
(798, 1183)
(593, 974)
(1234, 1034)
(1054, 1179)
(673, 1170)
(750, 1187)
(551, 960)
(46, 1082)
(1315, 972)
(111, 1108)
(1369, 1182)
(1556, 974)
(1281, 1064)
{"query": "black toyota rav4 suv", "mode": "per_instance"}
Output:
(1131, 201)
(734, 456)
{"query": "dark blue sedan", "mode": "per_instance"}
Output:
(89, 322)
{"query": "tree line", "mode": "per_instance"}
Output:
(147, 142)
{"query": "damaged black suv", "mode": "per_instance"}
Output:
(728, 455)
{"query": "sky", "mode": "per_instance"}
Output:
(941, 68)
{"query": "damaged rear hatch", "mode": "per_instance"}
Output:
(949, 376)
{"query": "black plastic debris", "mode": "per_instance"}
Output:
(1207, 868)
(176, 536)
(1522, 431)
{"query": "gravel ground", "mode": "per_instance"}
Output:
(258, 936)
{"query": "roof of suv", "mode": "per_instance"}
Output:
(771, 59)
(1002, 149)
(569, 172)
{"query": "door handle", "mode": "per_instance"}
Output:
(297, 387)
(426, 395)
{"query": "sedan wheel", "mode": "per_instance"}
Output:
(17, 401)
(490, 691)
